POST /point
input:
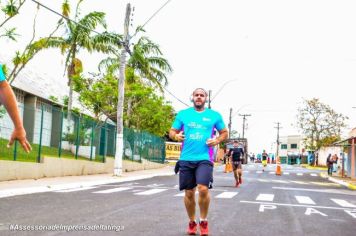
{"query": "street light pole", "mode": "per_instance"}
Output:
(209, 100)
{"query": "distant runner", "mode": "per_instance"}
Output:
(236, 154)
(264, 159)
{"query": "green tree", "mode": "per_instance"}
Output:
(319, 123)
(79, 37)
(146, 65)
(149, 111)
(10, 9)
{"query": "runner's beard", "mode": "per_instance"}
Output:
(199, 107)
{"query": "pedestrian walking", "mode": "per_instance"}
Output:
(236, 154)
(8, 99)
(329, 163)
(194, 128)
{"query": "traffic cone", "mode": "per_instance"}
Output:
(279, 168)
(226, 167)
(230, 167)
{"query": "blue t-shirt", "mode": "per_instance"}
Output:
(2, 75)
(198, 127)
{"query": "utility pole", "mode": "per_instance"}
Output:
(120, 104)
(243, 123)
(209, 100)
(278, 128)
(229, 125)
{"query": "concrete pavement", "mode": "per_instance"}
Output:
(21, 187)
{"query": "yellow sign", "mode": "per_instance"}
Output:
(173, 150)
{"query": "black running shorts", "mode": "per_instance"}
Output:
(192, 173)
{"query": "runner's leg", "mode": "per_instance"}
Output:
(189, 201)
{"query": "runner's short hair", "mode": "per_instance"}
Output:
(206, 94)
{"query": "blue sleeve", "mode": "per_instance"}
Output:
(2, 75)
(219, 123)
(177, 123)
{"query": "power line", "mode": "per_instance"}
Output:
(154, 14)
(108, 36)
(175, 97)
(67, 18)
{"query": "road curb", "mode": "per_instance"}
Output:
(341, 182)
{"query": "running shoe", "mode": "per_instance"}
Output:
(192, 228)
(204, 230)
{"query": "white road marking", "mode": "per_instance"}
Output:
(272, 172)
(313, 174)
(310, 211)
(304, 200)
(342, 203)
(269, 207)
(263, 180)
(154, 185)
(227, 195)
(338, 191)
(280, 181)
(73, 189)
(351, 213)
(265, 197)
(299, 182)
(285, 173)
(245, 171)
(300, 174)
(113, 190)
(182, 194)
(296, 205)
(259, 172)
(151, 191)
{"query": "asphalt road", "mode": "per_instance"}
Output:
(299, 202)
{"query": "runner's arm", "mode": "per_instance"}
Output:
(176, 135)
(7, 97)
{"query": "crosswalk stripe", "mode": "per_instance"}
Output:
(280, 181)
(151, 191)
(73, 189)
(227, 195)
(304, 200)
(300, 174)
(263, 180)
(265, 197)
(312, 174)
(325, 184)
(299, 182)
(182, 194)
(342, 203)
(113, 190)
(259, 171)
(272, 172)
(245, 171)
(285, 173)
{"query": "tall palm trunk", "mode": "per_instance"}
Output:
(71, 72)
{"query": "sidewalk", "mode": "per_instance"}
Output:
(347, 182)
(20, 187)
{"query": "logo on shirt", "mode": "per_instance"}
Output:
(206, 119)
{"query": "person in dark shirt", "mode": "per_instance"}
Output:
(236, 154)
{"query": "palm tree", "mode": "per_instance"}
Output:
(79, 36)
(145, 65)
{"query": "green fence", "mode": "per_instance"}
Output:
(52, 132)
